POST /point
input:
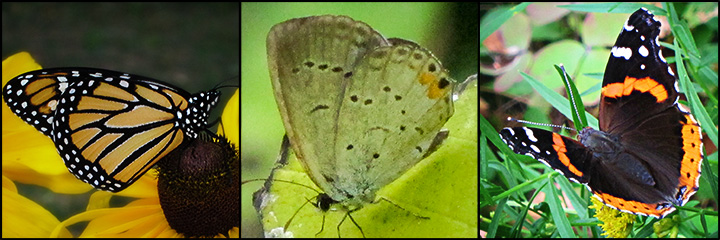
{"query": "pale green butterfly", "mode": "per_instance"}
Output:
(359, 109)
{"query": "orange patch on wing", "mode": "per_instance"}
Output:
(434, 91)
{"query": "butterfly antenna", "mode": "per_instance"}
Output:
(512, 119)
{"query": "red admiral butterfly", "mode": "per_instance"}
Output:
(646, 157)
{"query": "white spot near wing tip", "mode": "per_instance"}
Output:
(535, 148)
(512, 132)
(628, 27)
(643, 51)
(530, 134)
(623, 52)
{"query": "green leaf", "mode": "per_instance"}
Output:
(556, 100)
(578, 109)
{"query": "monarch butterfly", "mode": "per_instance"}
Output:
(108, 127)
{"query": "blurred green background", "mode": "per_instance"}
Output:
(449, 30)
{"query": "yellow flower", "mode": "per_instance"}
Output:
(615, 224)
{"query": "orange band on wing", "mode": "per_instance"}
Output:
(646, 84)
(647, 209)
(560, 148)
(690, 168)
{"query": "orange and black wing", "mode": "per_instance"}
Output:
(109, 127)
